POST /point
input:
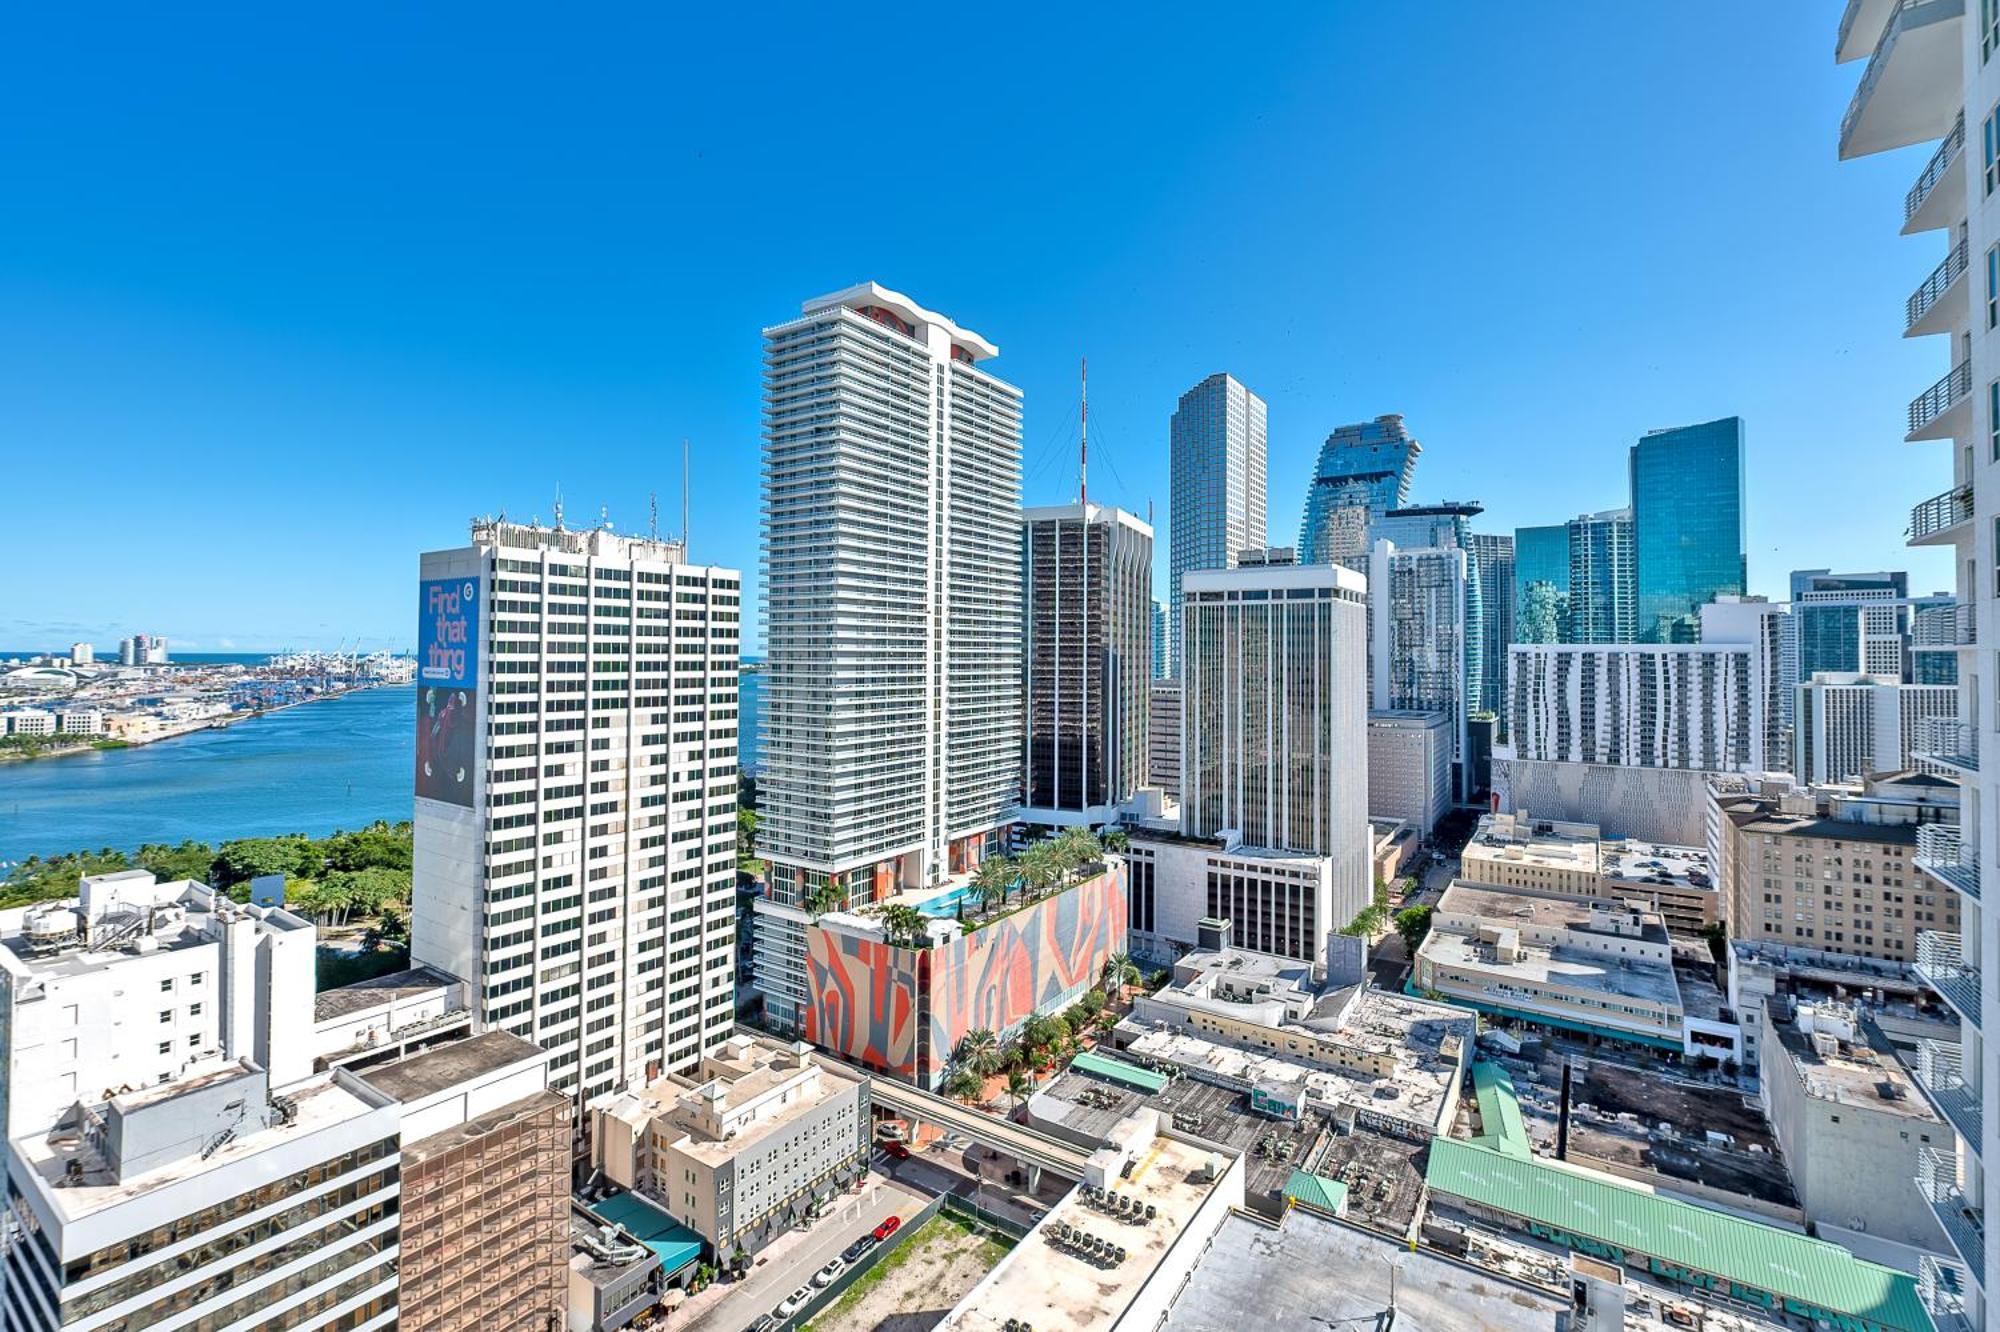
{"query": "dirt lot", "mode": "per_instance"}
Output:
(916, 1286)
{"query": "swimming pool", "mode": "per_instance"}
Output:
(946, 904)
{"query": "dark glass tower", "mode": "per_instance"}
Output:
(1687, 525)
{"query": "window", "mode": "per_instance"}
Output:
(1989, 139)
(167, 985)
(1993, 287)
(1989, 29)
(1993, 409)
(166, 1015)
(194, 1010)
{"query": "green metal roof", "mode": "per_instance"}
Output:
(676, 1245)
(1499, 1110)
(1803, 1275)
(1317, 1192)
(1117, 1070)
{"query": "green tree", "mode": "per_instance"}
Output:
(1019, 1086)
(1120, 971)
(1039, 1034)
(1092, 1002)
(824, 898)
(249, 857)
(980, 1051)
(995, 875)
(1078, 847)
(1117, 839)
(964, 1084)
(1041, 867)
(905, 925)
(38, 880)
(189, 860)
(746, 841)
(378, 846)
(1413, 923)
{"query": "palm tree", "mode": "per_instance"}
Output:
(992, 879)
(1079, 847)
(1019, 1086)
(905, 925)
(1038, 1033)
(826, 897)
(1117, 839)
(964, 1084)
(980, 1052)
(1120, 971)
(1041, 867)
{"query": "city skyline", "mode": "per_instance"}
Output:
(378, 364)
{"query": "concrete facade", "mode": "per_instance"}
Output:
(1409, 767)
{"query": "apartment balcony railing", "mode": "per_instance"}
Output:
(1944, 160)
(1941, 397)
(1915, 99)
(1938, 1072)
(1940, 513)
(1942, 966)
(1943, 627)
(1941, 855)
(1949, 743)
(1942, 1286)
(1933, 288)
(1963, 1220)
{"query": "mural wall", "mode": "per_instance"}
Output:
(905, 1009)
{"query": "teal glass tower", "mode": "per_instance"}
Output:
(1541, 555)
(1687, 525)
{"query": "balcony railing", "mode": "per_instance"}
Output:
(1953, 744)
(1909, 14)
(1963, 1220)
(1941, 1285)
(1943, 627)
(1941, 397)
(1939, 512)
(1941, 965)
(1943, 160)
(1941, 855)
(1937, 1071)
(1936, 285)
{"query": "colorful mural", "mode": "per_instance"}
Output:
(906, 1009)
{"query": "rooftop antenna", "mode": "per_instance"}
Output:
(558, 506)
(604, 516)
(653, 521)
(1083, 444)
(684, 495)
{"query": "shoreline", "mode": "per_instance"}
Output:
(221, 723)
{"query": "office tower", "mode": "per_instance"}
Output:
(1161, 659)
(1409, 767)
(128, 652)
(575, 842)
(1929, 77)
(156, 652)
(1424, 614)
(1274, 713)
(892, 550)
(82, 654)
(1602, 578)
(1541, 584)
(1087, 573)
(1363, 471)
(1687, 524)
(1493, 567)
(1849, 725)
(1767, 630)
(1868, 624)
(1163, 752)
(1217, 461)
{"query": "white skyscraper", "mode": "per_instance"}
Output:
(1636, 705)
(1424, 617)
(1217, 473)
(576, 794)
(892, 551)
(1931, 75)
(1851, 725)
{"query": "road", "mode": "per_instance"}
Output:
(790, 1261)
(954, 1165)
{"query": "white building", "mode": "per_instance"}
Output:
(1217, 462)
(1930, 76)
(82, 654)
(1409, 767)
(1425, 636)
(30, 721)
(80, 721)
(1286, 903)
(1849, 725)
(1647, 705)
(1087, 573)
(576, 795)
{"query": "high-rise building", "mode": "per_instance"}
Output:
(1163, 754)
(1218, 465)
(1424, 614)
(1849, 725)
(892, 551)
(1867, 624)
(1930, 77)
(1644, 705)
(128, 652)
(1274, 714)
(1541, 584)
(1363, 471)
(1162, 661)
(82, 654)
(1409, 767)
(1087, 572)
(1687, 525)
(1493, 568)
(575, 842)
(1602, 578)
(1765, 628)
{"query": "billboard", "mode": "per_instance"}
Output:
(447, 685)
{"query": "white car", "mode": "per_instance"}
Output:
(794, 1302)
(825, 1275)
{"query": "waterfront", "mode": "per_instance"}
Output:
(333, 763)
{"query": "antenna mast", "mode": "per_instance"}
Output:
(1083, 445)
(653, 520)
(684, 496)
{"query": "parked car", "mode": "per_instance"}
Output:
(767, 1323)
(794, 1302)
(854, 1251)
(887, 1228)
(825, 1275)
(897, 1150)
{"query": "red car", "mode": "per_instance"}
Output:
(897, 1150)
(887, 1228)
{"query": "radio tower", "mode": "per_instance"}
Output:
(1083, 423)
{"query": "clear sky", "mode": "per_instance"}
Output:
(286, 298)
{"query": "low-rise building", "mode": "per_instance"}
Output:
(1544, 855)
(80, 721)
(1574, 964)
(741, 1150)
(1409, 766)
(1279, 902)
(30, 721)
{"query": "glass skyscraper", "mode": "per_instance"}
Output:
(1541, 555)
(1363, 472)
(1602, 578)
(1217, 474)
(1493, 558)
(1687, 525)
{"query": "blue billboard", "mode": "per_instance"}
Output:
(447, 688)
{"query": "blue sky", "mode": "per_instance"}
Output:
(284, 299)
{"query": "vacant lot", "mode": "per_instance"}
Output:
(916, 1286)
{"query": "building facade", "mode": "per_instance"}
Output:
(575, 830)
(1493, 569)
(1603, 579)
(1409, 767)
(1687, 525)
(1163, 745)
(1087, 571)
(1541, 584)
(1690, 706)
(1425, 617)
(1218, 471)
(1848, 726)
(1363, 471)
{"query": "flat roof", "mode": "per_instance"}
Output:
(1050, 1285)
(1825, 829)
(1512, 906)
(375, 992)
(1854, 1074)
(432, 1071)
(1781, 1262)
(674, 1243)
(1572, 968)
(1117, 1070)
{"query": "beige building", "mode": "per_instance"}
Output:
(743, 1148)
(1549, 856)
(1833, 869)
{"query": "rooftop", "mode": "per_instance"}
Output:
(419, 1075)
(1559, 966)
(1831, 1054)
(1502, 906)
(117, 917)
(687, 1109)
(377, 992)
(673, 1243)
(1051, 1286)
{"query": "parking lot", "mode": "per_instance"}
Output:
(790, 1261)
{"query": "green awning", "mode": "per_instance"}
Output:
(1500, 1125)
(1317, 1192)
(676, 1245)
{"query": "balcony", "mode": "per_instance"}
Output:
(1861, 28)
(1938, 198)
(1964, 1221)
(1912, 84)
(1953, 745)
(1936, 1069)
(1942, 966)
(1938, 304)
(1938, 520)
(1934, 628)
(1941, 1285)
(1939, 411)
